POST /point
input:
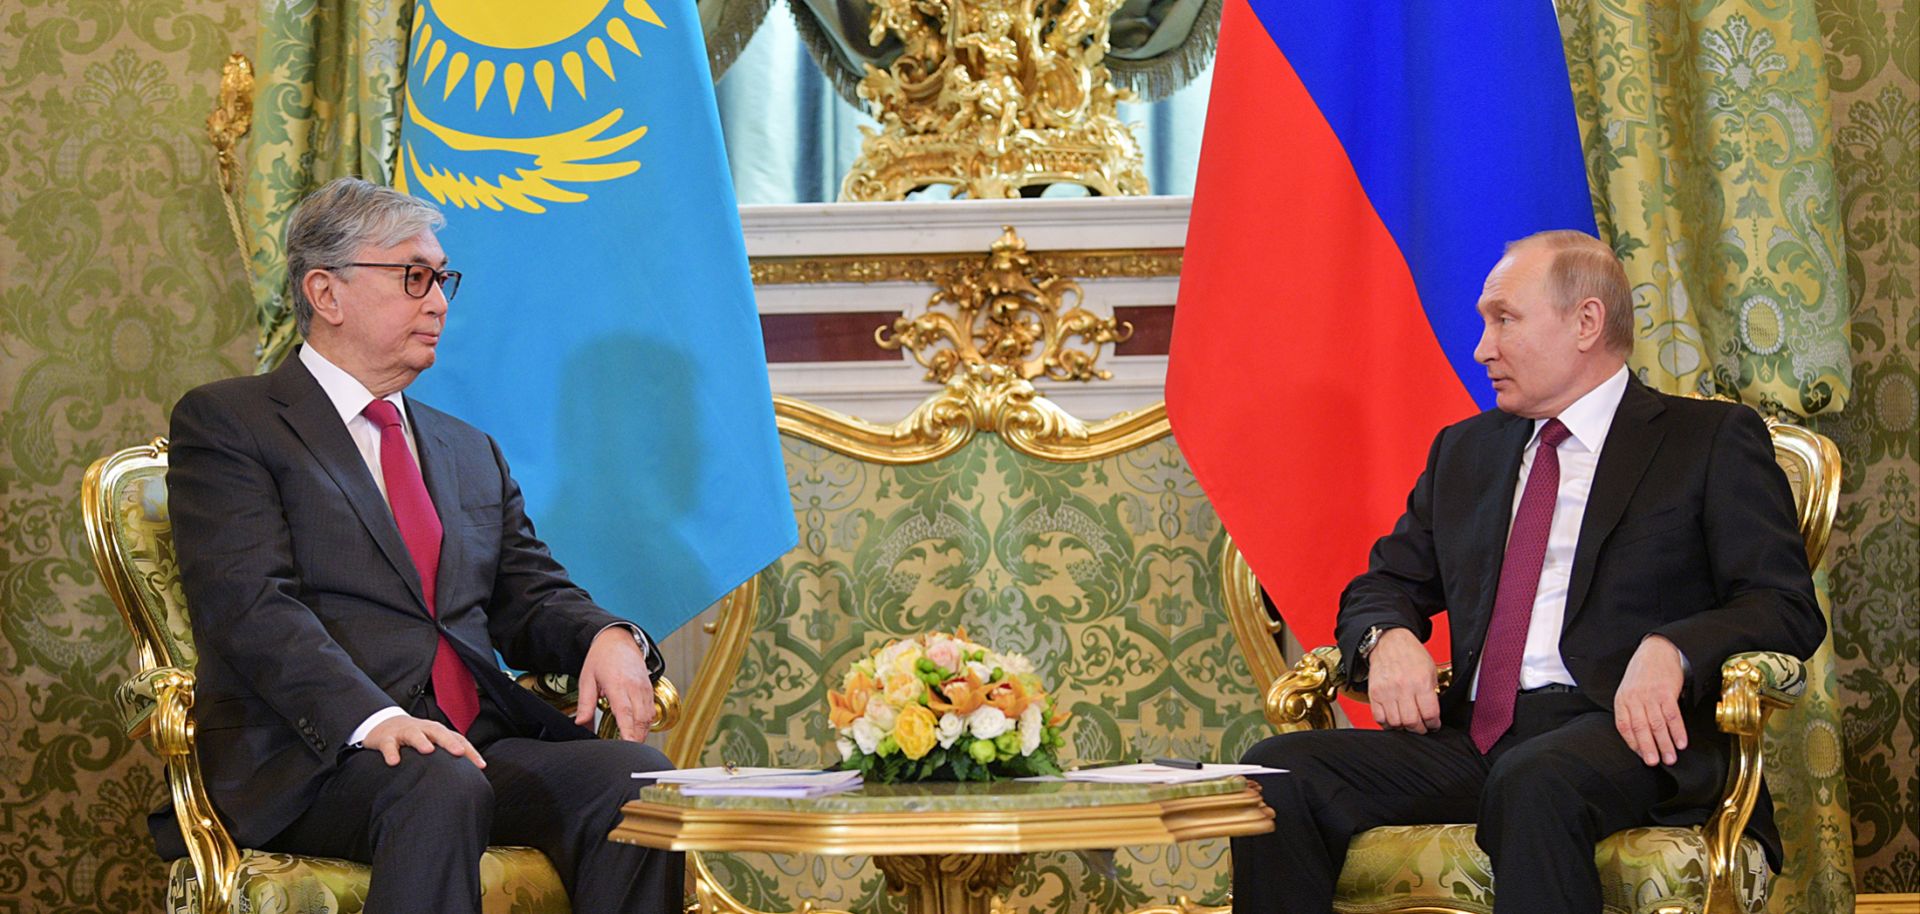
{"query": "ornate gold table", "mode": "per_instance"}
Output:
(948, 846)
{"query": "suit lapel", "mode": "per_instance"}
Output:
(436, 462)
(1492, 520)
(1631, 444)
(307, 410)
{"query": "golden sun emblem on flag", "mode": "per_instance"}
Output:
(486, 50)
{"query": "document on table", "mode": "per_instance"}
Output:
(758, 782)
(1148, 773)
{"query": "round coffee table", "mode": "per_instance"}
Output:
(949, 847)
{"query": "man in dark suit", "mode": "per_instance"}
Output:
(1602, 549)
(353, 558)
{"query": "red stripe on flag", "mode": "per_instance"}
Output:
(1305, 384)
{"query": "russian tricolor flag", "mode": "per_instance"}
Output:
(1363, 165)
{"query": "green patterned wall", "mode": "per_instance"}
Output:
(119, 289)
(1873, 63)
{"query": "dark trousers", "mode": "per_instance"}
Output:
(1556, 784)
(424, 823)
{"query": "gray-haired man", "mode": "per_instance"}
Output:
(353, 559)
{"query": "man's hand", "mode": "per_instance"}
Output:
(1646, 708)
(1403, 685)
(420, 735)
(617, 670)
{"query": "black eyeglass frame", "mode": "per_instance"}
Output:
(440, 277)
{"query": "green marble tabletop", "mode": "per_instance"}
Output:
(950, 796)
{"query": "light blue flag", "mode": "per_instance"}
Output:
(605, 331)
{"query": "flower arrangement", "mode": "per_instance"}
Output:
(940, 707)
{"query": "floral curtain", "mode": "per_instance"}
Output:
(1709, 140)
(1709, 147)
(329, 82)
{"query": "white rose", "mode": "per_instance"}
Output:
(881, 714)
(1016, 665)
(1031, 727)
(987, 722)
(951, 726)
(847, 748)
(867, 736)
(981, 670)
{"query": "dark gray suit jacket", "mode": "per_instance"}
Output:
(307, 609)
(1690, 532)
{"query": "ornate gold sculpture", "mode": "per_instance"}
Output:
(1004, 308)
(226, 125)
(992, 96)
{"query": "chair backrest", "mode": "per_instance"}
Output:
(124, 500)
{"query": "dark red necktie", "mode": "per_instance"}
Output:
(1506, 642)
(419, 524)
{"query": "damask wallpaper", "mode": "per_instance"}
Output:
(1873, 66)
(120, 288)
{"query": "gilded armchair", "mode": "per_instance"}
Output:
(1711, 869)
(124, 500)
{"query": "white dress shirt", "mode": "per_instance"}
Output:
(1587, 420)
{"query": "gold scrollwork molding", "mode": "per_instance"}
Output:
(1001, 311)
(1143, 263)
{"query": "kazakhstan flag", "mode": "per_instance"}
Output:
(605, 332)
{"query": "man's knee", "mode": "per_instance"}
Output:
(441, 784)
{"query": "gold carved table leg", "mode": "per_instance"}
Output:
(948, 883)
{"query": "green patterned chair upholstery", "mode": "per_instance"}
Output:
(1087, 547)
(124, 499)
(1712, 869)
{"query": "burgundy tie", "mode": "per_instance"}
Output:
(1506, 641)
(419, 525)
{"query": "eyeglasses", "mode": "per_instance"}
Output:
(419, 278)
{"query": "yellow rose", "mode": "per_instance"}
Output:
(916, 731)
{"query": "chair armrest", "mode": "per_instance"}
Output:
(1775, 680)
(563, 692)
(1752, 686)
(137, 699)
(1303, 698)
(157, 704)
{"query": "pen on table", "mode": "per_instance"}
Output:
(1187, 763)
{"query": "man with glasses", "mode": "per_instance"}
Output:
(353, 559)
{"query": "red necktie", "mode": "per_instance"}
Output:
(1506, 641)
(419, 524)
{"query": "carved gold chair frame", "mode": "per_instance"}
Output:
(131, 542)
(1753, 686)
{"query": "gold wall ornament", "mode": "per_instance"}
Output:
(1003, 309)
(992, 96)
(229, 121)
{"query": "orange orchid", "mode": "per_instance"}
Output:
(844, 708)
(1010, 697)
(962, 695)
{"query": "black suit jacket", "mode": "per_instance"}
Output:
(307, 610)
(1689, 533)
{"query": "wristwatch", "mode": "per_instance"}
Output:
(1371, 641)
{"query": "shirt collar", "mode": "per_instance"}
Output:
(349, 396)
(1588, 418)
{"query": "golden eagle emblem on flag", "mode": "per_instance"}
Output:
(474, 136)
